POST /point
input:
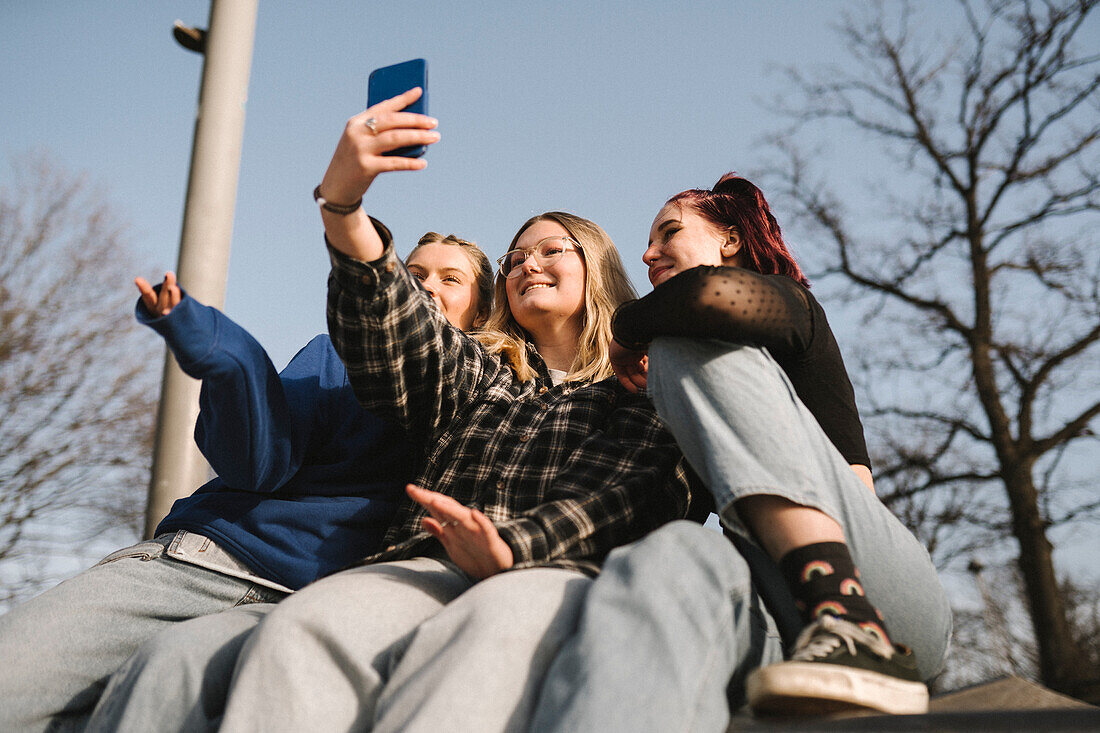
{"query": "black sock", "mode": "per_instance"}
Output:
(824, 579)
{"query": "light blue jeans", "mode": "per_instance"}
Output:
(177, 680)
(59, 649)
(405, 646)
(671, 622)
(676, 621)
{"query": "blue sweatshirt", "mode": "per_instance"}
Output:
(307, 479)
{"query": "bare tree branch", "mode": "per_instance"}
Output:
(76, 390)
(990, 300)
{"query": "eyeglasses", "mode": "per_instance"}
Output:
(547, 251)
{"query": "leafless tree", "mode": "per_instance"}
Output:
(77, 380)
(975, 263)
(993, 639)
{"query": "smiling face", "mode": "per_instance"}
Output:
(448, 275)
(681, 239)
(553, 292)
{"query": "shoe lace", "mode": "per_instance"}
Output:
(825, 635)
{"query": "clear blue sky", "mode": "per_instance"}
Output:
(603, 109)
(600, 108)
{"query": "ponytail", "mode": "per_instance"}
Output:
(736, 203)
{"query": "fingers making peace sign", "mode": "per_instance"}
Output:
(159, 303)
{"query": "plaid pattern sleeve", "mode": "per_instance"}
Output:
(405, 361)
(566, 472)
(620, 484)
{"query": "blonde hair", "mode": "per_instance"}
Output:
(483, 269)
(606, 286)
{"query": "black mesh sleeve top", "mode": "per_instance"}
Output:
(772, 311)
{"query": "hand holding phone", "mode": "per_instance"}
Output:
(361, 153)
(389, 81)
(359, 158)
(394, 119)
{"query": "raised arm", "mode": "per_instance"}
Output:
(246, 428)
(358, 160)
(405, 362)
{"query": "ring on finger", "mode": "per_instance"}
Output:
(449, 523)
(371, 124)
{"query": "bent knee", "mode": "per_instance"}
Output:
(682, 552)
(682, 539)
(169, 645)
(523, 599)
(694, 355)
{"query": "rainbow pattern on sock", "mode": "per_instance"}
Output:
(851, 587)
(817, 567)
(830, 607)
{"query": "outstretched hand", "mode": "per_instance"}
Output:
(359, 154)
(631, 367)
(159, 304)
(471, 540)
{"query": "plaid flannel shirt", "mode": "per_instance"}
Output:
(566, 472)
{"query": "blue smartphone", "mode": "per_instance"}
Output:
(389, 81)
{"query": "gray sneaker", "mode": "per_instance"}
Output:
(838, 667)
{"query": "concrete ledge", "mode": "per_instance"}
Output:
(1066, 720)
(1008, 704)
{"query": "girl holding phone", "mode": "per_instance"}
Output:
(536, 461)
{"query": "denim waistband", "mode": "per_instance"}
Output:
(198, 550)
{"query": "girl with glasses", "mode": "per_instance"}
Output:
(747, 374)
(536, 463)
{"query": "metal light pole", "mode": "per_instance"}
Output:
(178, 467)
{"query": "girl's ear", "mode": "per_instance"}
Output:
(732, 245)
(480, 319)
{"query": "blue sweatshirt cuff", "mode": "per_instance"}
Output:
(190, 330)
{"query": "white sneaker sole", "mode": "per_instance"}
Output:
(816, 688)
